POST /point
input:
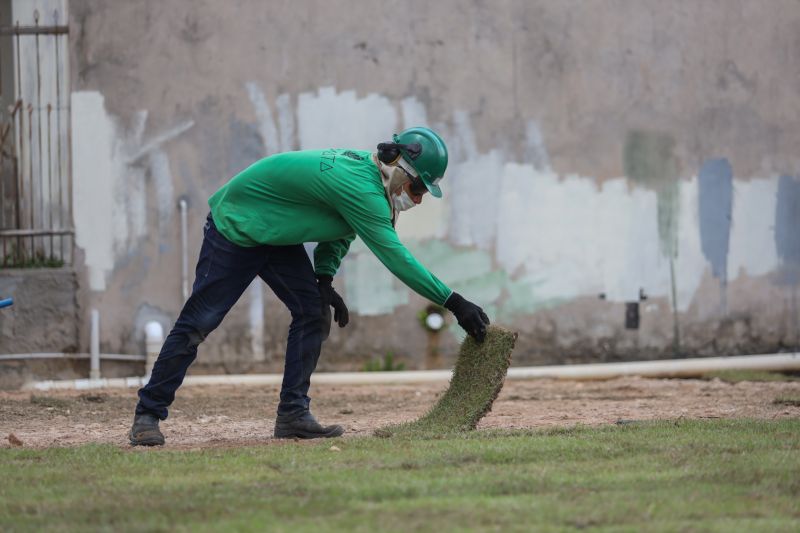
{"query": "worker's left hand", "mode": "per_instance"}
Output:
(469, 316)
(331, 298)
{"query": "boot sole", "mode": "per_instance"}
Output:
(147, 441)
(299, 434)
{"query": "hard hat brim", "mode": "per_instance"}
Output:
(433, 189)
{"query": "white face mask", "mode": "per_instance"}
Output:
(402, 201)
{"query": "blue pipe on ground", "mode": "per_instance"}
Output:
(6, 302)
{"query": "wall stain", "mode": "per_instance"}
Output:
(649, 160)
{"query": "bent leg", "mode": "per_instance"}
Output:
(224, 270)
(289, 274)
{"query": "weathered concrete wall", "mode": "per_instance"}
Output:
(44, 318)
(597, 148)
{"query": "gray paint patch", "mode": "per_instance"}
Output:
(715, 208)
(787, 227)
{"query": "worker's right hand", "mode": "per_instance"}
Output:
(330, 298)
(469, 316)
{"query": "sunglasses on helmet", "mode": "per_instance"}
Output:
(417, 187)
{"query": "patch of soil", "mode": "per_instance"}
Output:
(225, 416)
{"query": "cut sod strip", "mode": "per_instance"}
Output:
(478, 376)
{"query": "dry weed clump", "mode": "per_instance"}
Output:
(477, 379)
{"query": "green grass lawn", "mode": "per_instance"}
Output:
(734, 475)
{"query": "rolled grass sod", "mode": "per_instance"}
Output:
(478, 377)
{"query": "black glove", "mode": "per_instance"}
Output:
(330, 298)
(469, 316)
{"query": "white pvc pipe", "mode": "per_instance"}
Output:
(183, 205)
(664, 368)
(673, 367)
(68, 355)
(94, 347)
(154, 338)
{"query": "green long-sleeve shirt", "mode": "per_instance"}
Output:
(323, 196)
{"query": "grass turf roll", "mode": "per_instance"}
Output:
(478, 377)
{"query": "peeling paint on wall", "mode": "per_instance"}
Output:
(516, 237)
(329, 119)
(110, 168)
(544, 238)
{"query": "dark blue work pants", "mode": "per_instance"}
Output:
(224, 271)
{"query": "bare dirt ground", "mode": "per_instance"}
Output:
(204, 416)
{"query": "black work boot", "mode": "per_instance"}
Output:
(145, 432)
(304, 426)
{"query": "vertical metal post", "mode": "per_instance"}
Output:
(58, 126)
(49, 177)
(183, 204)
(20, 152)
(30, 175)
(39, 129)
(94, 366)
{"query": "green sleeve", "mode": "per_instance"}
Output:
(370, 217)
(328, 255)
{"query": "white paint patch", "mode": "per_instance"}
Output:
(266, 124)
(93, 166)
(571, 238)
(629, 246)
(414, 113)
(329, 119)
(691, 264)
(474, 191)
(752, 246)
(286, 122)
(553, 226)
(109, 185)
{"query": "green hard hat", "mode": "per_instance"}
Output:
(430, 161)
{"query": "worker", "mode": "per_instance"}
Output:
(258, 223)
